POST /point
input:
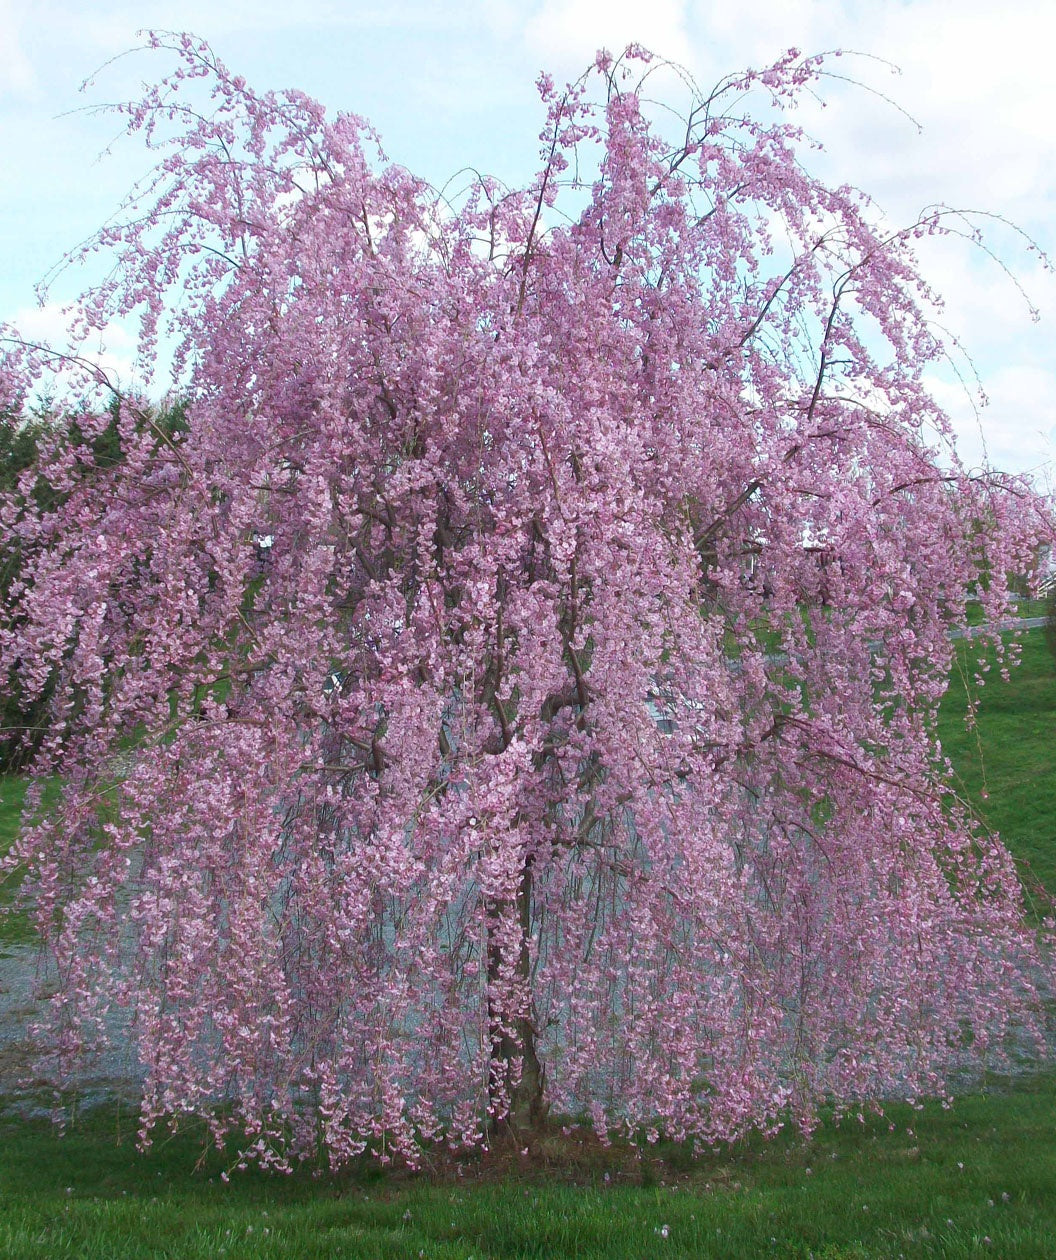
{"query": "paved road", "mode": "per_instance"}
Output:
(1013, 623)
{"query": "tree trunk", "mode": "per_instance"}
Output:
(527, 1106)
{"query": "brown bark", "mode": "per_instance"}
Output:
(527, 1104)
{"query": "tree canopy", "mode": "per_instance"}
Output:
(516, 688)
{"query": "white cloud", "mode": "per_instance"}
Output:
(16, 73)
(1016, 431)
(979, 82)
(112, 349)
(732, 37)
(566, 34)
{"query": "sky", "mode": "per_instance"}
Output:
(953, 104)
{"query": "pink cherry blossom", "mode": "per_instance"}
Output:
(571, 745)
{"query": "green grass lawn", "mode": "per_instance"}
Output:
(975, 1180)
(1024, 607)
(12, 792)
(1006, 766)
(13, 925)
